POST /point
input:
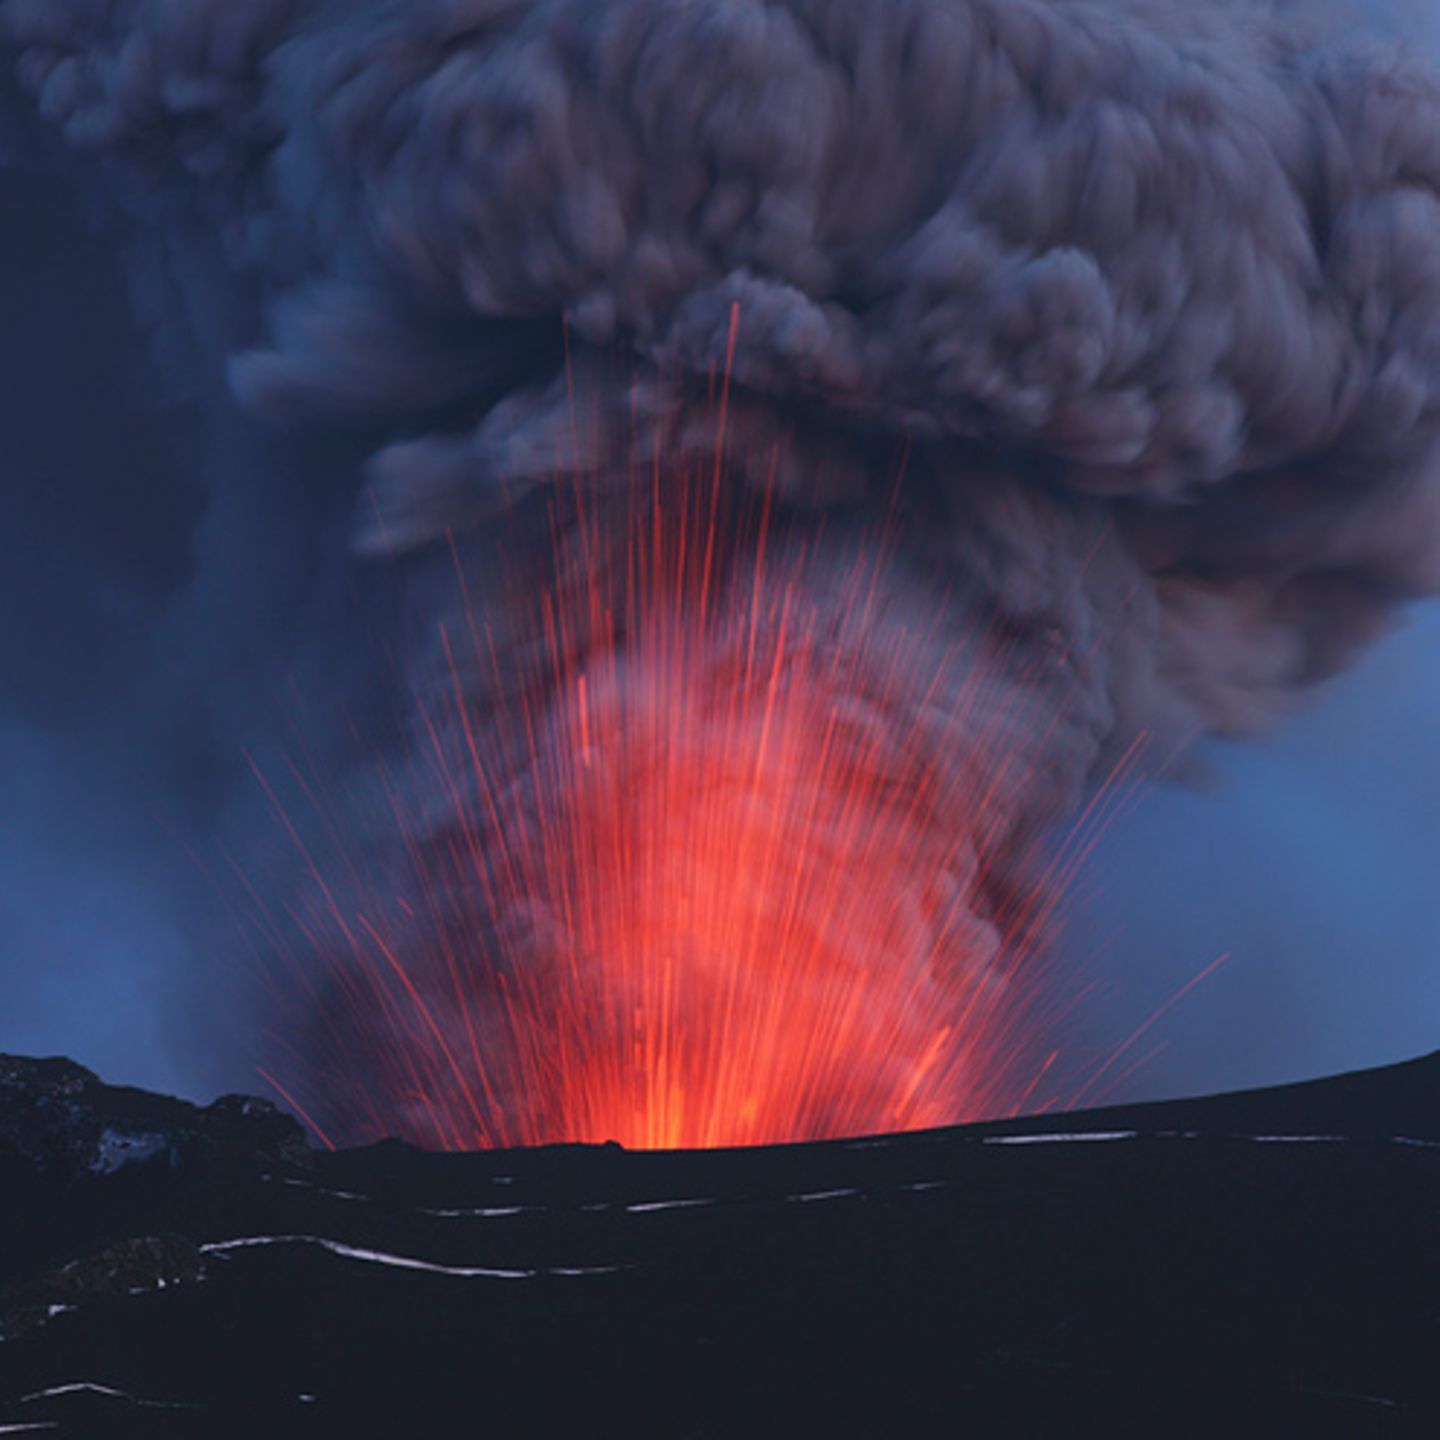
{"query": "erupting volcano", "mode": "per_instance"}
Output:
(745, 474)
(744, 893)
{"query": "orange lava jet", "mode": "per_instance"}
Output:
(714, 870)
(749, 889)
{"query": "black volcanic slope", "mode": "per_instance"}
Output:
(1262, 1264)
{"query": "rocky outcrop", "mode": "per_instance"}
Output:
(67, 1123)
(129, 1267)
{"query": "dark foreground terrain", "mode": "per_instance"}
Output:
(1261, 1264)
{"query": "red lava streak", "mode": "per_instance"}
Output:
(760, 927)
(712, 874)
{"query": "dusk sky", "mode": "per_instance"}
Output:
(173, 575)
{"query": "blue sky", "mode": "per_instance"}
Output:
(1314, 859)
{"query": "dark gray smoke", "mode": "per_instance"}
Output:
(1153, 288)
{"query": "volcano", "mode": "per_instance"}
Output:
(1253, 1264)
(677, 509)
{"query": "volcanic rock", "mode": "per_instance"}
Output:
(61, 1118)
(127, 1268)
(1254, 1265)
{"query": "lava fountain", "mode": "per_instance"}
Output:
(713, 872)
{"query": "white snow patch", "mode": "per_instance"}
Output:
(76, 1387)
(92, 1387)
(821, 1195)
(118, 1148)
(646, 1206)
(1297, 1139)
(400, 1262)
(318, 1189)
(1059, 1138)
(483, 1213)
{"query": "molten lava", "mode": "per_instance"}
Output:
(711, 873)
(756, 898)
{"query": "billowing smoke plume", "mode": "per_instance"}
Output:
(1152, 289)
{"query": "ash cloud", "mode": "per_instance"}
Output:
(1154, 289)
(1178, 259)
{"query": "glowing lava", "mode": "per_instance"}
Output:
(713, 871)
(748, 891)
